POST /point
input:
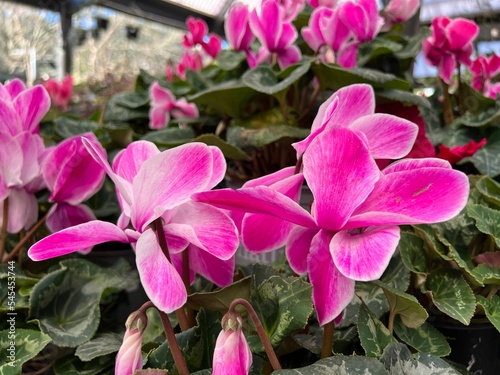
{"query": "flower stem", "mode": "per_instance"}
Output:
(180, 363)
(447, 110)
(25, 239)
(311, 102)
(260, 331)
(461, 102)
(390, 325)
(191, 320)
(327, 347)
(5, 222)
(298, 165)
(160, 235)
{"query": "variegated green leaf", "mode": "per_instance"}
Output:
(374, 336)
(425, 339)
(21, 286)
(398, 360)
(490, 189)
(411, 248)
(339, 365)
(487, 220)
(487, 274)
(101, 344)
(491, 309)
(28, 343)
(405, 305)
(72, 365)
(451, 294)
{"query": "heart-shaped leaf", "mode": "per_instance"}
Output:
(374, 336)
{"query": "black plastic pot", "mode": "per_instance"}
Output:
(476, 346)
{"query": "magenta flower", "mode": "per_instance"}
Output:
(352, 231)
(387, 136)
(232, 355)
(60, 92)
(72, 176)
(484, 69)
(213, 46)
(269, 25)
(164, 105)
(322, 3)
(449, 44)
(153, 185)
(189, 60)
(129, 357)
(328, 35)
(362, 18)
(237, 28)
(398, 11)
(197, 29)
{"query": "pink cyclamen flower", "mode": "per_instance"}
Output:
(232, 355)
(352, 231)
(398, 11)
(449, 44)
(322, 3)
(153, 184)
(213, 46)
(189, 60)
(129, 357)
(60, 92)
(330, 36)
(457, 153)
(164, 105)
(362, 18)
(197, 29)
(237, 28)
(72, 176)
(269, 25)
(484, 69)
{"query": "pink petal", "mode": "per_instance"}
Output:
(340, 173)
(424, 195)
(62, 216)
(389, 137)
(219, 167)
(267, 24)
(261, 199)
(236, 27)
(232, 355)
(76, 238)
(160, 280)
(289, 56)
(204, 226)
(33, 149)
(160, 97)
(184, 109)
(15, 87)
(158, 118)
(461, 32)
(271, 178)
(332, 291)
(364, 256)
(348, 54)
(10, 121)
(167, 180)
(411, 164)
(129, 357)
(32, 105)
(123, 186)
(23, 210)
(71, 172)
(353, 15)
(297, 248)
(220, 272)
(127, 162)
(446, 67)
(11, 160)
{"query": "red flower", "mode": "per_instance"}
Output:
(457, 153)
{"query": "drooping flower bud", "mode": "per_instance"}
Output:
(129, 358)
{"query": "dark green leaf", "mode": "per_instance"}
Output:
(487, 274)
(491, 309)
(398, 360)
(66, 301)
(196, 80)
(229, 60)
(414, 44)
(67, 128)
(263, 79)
(337, 365)
(403, 97)
(132, 100)
(229, 151)
(71, 365)
(228, 98)
(243, 138)
(101, 344)
(490, 189)
(22, 287)
(487, 158)
(170, 137)
(221, 299)
(425, 339)
(334, 77)
(476, 102)
(487, 220)
(411, 248)
(28, 343)
(396, 274)
(371, 295)
(451, 294)
(405, 305)
(374, 336)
